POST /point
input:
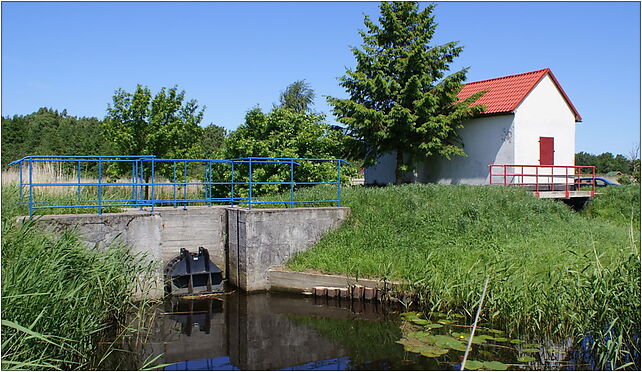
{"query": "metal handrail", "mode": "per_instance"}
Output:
(144, 176)
(530, 175)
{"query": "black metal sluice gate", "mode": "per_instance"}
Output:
(191, 273)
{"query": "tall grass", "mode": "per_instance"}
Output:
(619, 205)
(553, 272)
(58, 296)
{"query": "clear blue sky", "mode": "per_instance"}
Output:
(233, 56)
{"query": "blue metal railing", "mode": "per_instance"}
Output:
(148, 189)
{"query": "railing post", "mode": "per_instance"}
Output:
(521, 177)
(593, 187)
(537, 180)
(153, 196)
(209, 178)
(232, 199)
(174, 166)
(100, 187)
(185, 185)
(504, 175)
(566, 182)
(30, 187)
(249, 201)
(338, 183)
(133, 182)
(291, 183)
(78, 180)
(141, 191)
(20, 180)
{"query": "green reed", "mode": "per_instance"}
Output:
(59, 296)
(553, 272)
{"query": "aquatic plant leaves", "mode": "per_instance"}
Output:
(419, 321)
(433, 325)
(445, 321)
(408, 314)
(423, 338)
(495, 366)
(410, 344)
(447, 342)
(533, 345)
(499, 339)
(477, 339)
(473, 365)
(531, 350)
(432, 351)
(526, 358)
(495, 331)
(516, 341)
(415, 345)
(492, 366)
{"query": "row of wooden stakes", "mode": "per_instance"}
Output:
(355, 292)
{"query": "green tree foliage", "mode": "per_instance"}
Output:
(165, 125)
(605, 162)
(50, 132)
(297, 97)
(400, 97)
(212, 141)
(285, 133)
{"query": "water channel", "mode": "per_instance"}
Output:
(274, 331)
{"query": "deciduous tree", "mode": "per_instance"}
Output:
(283, 133)
(298, 97)
(164, 125)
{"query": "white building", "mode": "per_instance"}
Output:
(528, 120)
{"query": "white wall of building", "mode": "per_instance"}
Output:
(487, 140)
(383, 172)
(544, 113)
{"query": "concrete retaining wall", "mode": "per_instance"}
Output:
(282, 280)
(259, 239)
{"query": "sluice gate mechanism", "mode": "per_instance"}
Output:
(192, 273)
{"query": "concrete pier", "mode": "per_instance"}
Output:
(243, 243)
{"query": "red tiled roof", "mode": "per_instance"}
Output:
(504, 94)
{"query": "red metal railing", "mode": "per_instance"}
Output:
(543, 178)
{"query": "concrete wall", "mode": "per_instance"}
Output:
(192, 228)
(260, 239)
(138, 229)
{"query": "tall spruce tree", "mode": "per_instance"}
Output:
(400, 97)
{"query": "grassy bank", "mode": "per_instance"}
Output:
(553, 272)
(58, 296)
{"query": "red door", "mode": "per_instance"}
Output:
(546, 151)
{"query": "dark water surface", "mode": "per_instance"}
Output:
(271, 331)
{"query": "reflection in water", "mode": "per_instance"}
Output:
(280, 332)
